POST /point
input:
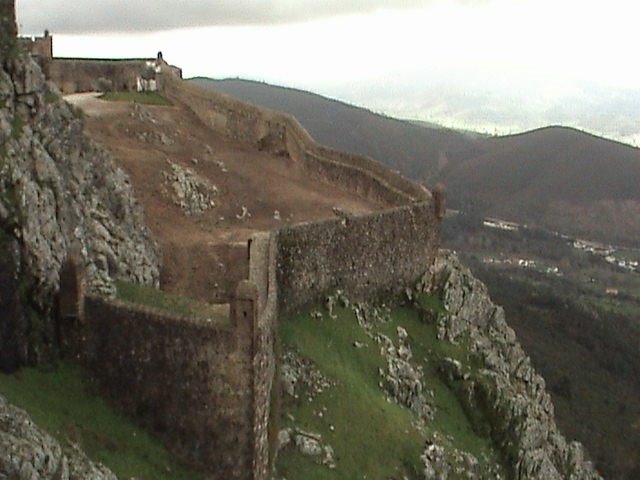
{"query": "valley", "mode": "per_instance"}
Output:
(576, 310)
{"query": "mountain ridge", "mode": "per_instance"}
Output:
(585, 175)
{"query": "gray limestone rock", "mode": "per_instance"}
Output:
(508, 390)
(192, 193)
(28, 453)
(60, 192)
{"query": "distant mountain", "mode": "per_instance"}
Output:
(554, 177)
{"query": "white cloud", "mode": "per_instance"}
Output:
(63, 16)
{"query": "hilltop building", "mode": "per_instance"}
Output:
(74, 75)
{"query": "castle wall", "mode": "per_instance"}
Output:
(208, 389)
(367, 256)
(82, 75)
(263, 274)
(188, 381)
(40, 47)
(281, 134)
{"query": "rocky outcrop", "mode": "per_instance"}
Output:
(192, 193)
(59, 192)
(506, 388)
(28, 453)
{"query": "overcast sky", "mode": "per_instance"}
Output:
(504, 64)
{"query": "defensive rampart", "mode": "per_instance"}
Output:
(369, 255)
(190, 380)
(74, 75)
(207, 388)
(281, 134)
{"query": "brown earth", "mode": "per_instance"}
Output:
(205, 255)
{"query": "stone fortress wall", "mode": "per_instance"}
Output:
(281, 134)
(190, 380)
(206, 387)
(75, 75)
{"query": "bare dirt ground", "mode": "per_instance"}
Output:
(204, 255)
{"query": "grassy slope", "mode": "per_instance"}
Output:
(173, 304)
(59, 402)
(145, 98)
(373, 438)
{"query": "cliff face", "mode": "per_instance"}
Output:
(506, 389)
(59, 193)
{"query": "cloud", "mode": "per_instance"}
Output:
(64, 16)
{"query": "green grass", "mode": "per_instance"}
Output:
(145, 98)
(153, 297)
(373, 438)
(59, 402)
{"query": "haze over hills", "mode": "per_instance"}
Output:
(555, 177)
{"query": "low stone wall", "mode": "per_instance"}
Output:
(368, 255)
(281, 134)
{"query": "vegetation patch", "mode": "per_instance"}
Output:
(372, 436)
(174, 304)
(59, 401)
(144, 98)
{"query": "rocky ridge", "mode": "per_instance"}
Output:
(506, 389)
(59, 193)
